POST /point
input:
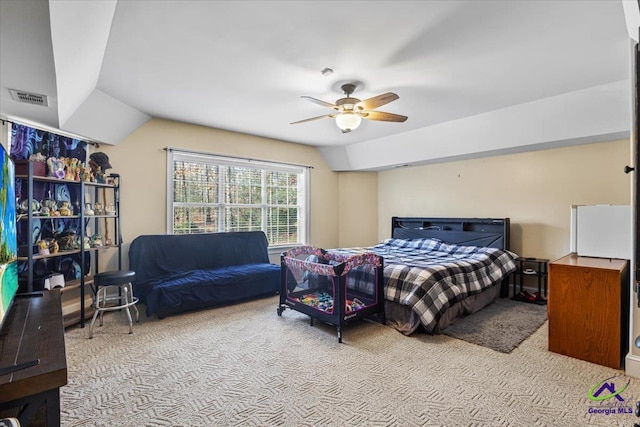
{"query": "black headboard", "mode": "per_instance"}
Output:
(487, 232)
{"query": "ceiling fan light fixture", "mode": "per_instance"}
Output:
(348, 121)
(350, 111)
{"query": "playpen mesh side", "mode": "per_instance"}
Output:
(313, 276)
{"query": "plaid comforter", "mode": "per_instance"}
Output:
(430, 276)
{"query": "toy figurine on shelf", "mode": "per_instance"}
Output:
(35, 206)
(68, 173)
(47, 246)
(43, 247)
(88, 209)
(72, 166)
(96, 241)
(85, 174)
(48, 206)
(99, 163)
(98, 209)
(65, 209)
(37, 157)
(68, 242)
(56, 167)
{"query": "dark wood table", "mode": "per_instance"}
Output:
(33, 333)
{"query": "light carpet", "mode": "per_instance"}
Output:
(501, 326)
(243, 365)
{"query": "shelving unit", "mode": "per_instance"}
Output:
(76, 301)
(531, 267)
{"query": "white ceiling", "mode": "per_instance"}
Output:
(108, 66)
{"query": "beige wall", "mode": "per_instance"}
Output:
(141, 161)
(534, 189)
(358, 209)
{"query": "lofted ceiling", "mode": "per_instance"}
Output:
(473, 77)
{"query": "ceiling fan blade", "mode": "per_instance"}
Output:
(376, 101)
(382, 116)
(320, 102)
(313, 118)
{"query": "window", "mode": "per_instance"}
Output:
(208, 194)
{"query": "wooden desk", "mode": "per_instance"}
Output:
(34, 330)
(588, 309)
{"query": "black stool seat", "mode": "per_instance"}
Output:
(105, 300)
(114, 278)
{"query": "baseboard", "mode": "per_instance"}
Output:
(632, 365)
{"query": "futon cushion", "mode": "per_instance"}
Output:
(197, 289)
(165, 255)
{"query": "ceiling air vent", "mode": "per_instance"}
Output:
(29, 98)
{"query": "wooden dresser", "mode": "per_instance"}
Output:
(588, 309)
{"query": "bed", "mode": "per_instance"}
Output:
(439, 269)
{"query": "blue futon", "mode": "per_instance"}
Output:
(178, 273)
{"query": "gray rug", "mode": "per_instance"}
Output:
(501, 326)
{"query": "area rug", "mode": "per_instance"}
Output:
(501, 326)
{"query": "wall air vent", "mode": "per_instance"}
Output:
(29, 98)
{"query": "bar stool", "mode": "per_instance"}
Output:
(111, 280)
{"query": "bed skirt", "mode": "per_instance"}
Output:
(405, 320)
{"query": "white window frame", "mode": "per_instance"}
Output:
(263, 166)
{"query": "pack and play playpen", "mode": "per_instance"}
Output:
(335, 288)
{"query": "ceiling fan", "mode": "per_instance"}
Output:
(350, 111)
